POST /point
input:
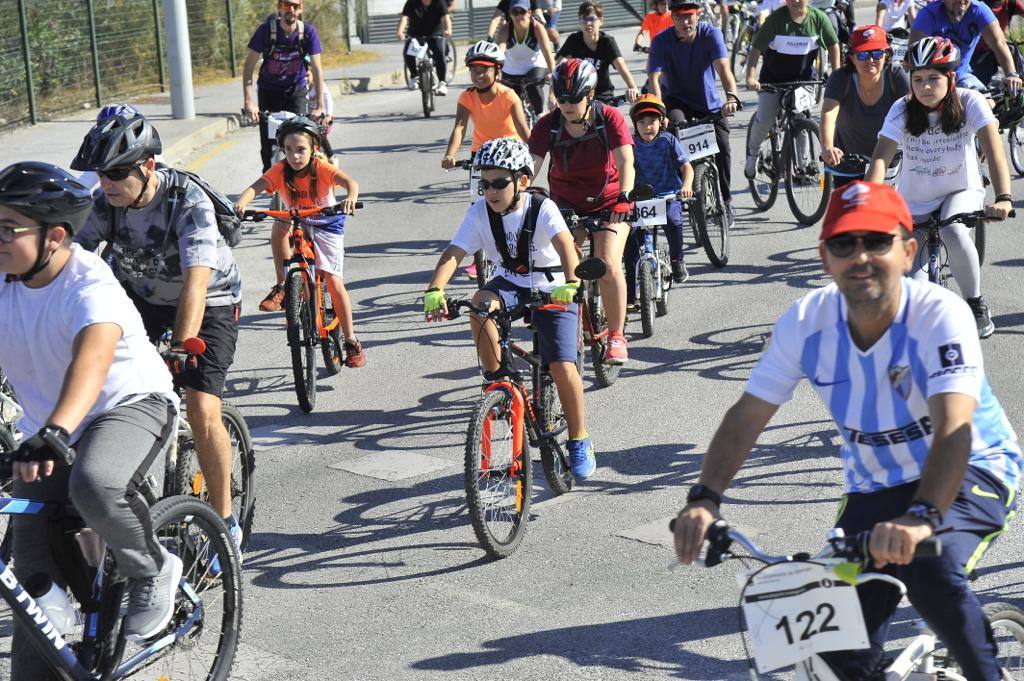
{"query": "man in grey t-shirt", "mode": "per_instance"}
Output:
(180, 276)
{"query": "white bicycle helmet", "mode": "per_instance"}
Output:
(485, 52)
(510, 153)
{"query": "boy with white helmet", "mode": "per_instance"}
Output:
(544, 262)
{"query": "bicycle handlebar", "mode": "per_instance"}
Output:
(294, 214)
(790, 85)
(968, 217)
(64, 454)
(454, 304)
(465, 164)
(855, 549)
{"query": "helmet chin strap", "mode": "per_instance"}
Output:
(145, 185)
(42, 260)
(584, 119)
(515, 197)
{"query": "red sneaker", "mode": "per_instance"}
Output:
(616, 353)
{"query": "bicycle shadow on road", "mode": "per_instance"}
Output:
(722, 355)
(652, 645)
(792, 268)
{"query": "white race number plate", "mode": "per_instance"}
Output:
(803, 99)
(899, 50)
(652, 212)
(416, 49)
(474, 186)
(796, 609)
(699, 141)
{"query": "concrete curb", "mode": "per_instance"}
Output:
(178, 151)
(376, 81)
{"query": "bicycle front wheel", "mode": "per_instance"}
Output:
(710, 220)
(978, 237)
(191, 530)
(1007, 622)
(484, 268)
(806, 189)
(7, 444)
(606, 374)
(764, 186)
(741, 48)
(301, 322)
(498, 482)
(427, 91)
(1015, 136)
(451, 58)
(645, 278)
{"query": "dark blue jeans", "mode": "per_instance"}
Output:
(937, 587)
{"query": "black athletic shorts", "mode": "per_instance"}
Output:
(219, 331)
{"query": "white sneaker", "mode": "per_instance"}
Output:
(414, 83)
(442, 88)
(750, 168)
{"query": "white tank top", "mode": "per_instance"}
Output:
(520, 57)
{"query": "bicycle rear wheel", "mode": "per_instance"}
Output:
(709, 218)
(764, 187)
(451, 58)
(498, 482)
(301, 320)
(606, 374)
(191, 530)
(1015, 137)
(741, 48)
(666, 278)
(330, 347)
(555, 462)
(1007, 622)
(806, 188)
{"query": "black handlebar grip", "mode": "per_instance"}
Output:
(929, 548)
(672, 526)
(66, 453)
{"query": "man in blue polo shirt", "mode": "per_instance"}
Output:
(965, 22)
(681, 72)
(286, 45)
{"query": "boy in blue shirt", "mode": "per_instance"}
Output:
(660, 161)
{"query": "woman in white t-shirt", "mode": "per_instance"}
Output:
(936, 126)
(890, 14)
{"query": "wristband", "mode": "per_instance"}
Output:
(926, 511)
(432, 289)
(1004, 197)
(702, 492)
(1012, 75)
(735, 96)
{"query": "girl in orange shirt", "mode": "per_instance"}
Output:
(305, 180)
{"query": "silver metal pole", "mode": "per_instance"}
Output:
(179, 59)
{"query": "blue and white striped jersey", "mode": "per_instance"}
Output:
(879, 398)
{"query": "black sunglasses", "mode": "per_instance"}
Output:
(566, 99)
(116, 174)
(844, 246)
(496, 184)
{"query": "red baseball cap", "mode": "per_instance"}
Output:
(865, 207)
(869, 37)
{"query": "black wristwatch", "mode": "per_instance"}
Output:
(926, 511)
(1004, 197)
(702, 492)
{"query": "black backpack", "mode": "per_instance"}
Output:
(520, 264)
(272, 20)
(228, 223)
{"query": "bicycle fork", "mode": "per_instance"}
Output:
(518, 405)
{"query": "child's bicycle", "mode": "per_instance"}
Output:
(483, 267)
(934, 250)
(508, 416)
(653, 269)
(310, 314)
(183, 475)
(796, 607)
(200, 640)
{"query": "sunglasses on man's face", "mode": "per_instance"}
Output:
(843, 246)
(116, 174)
(870, 54)
(494, 184)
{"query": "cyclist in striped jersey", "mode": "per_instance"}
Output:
(926, 447)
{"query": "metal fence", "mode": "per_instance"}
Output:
(58, 55)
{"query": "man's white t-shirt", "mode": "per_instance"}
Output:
(935, 164)
(879, 397)
(895, 13)
(38, 332)
(475, 234)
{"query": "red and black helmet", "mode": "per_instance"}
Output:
(573, 80)
(934, 53)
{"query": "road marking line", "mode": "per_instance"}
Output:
(202, 160)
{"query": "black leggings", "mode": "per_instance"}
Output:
(436, 45)
(274, 101)
(677, 114)
(532, 83)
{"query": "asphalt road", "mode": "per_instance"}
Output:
(363, 564)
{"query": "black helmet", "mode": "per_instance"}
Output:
(1009, 110)
(118, 142)
(45, 193)
(300, 124)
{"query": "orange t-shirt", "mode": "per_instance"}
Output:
(304, 199)
(490, 121)
(655, 23)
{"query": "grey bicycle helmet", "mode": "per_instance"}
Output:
(300, 124)
(124, 140)
(45, 193)
(485, 52)
(509, 153)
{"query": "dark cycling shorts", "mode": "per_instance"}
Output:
(557, 331)
(219, 331)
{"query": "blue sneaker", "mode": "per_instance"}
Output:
(581, 456)
(235, 530)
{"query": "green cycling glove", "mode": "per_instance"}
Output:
(433, 300)
(565, 293)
